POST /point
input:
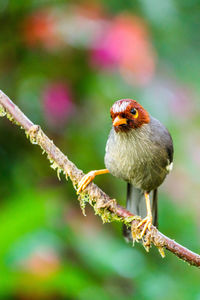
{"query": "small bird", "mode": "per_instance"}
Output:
(139, 150)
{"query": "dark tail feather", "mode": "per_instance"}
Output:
(137, 205)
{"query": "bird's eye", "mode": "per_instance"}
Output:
(134, 112)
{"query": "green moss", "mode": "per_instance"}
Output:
(55, 166)
(83, 199)
(32, 139)
(2, 111)
(106, 215)
(10, 118)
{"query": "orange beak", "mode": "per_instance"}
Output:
(119, 121)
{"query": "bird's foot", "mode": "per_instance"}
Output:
(88, 178)
(85, 181)
(147, 222)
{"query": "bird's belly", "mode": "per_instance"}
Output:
(136, 167)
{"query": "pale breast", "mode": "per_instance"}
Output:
(134, 157)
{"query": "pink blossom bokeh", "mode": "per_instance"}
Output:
(57, 103)
(125, 43)
(115, 43)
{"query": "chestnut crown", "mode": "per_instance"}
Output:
(127, 114)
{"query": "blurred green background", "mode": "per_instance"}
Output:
(64, 63)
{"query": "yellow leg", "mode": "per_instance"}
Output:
(88, 178)
(148, 220)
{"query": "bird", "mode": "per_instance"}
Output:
(139, 150)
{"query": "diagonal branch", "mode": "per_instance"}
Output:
(103, 205)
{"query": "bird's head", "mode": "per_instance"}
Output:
(127, 114)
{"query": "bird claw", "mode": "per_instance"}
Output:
(148, 223)
(85, 180)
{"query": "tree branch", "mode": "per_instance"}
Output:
(103, 205)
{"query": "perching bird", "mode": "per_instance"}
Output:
(139, 150)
